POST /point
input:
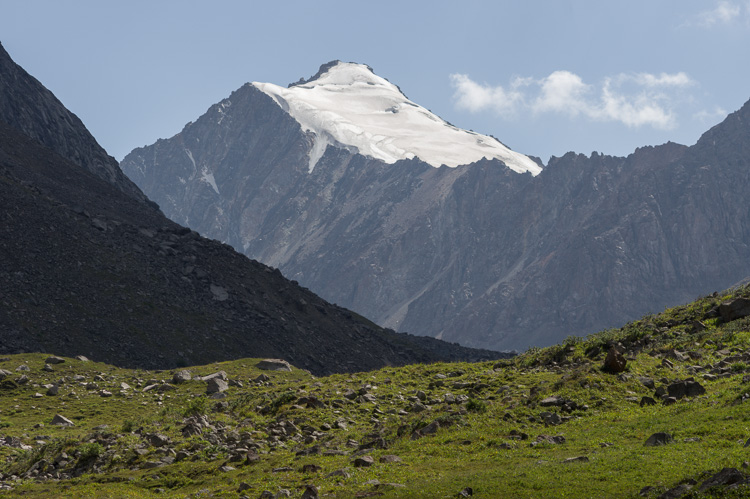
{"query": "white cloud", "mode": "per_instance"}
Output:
(563, 92)
(663, 80)
(475, 97)
(724, 12)
(640, 99)
(711, 116)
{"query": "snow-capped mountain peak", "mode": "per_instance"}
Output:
(348, 105)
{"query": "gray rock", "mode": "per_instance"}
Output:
(157, 440)
(660, 438)
(579, 459)
(550, 418)
(221, 375)
(547, 439)
(676, 492)
(552, 401)
(734, 309)
(339, 473)
(647, 401)
(311, 492)
(685, 388)
(726, 476)
(363, 462)
(181, 377)
(219, 293)
(61, 421)
(53, 390)
(647, 382)
(216, 385)
(54, 360)
(390, 458)
(274, 365)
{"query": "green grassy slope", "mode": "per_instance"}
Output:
(490, 431)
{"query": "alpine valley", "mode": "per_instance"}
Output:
(91, 267)
(382, 207)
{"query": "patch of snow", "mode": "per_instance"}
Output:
(208, 178)
(190, 155)
(222, 106)
(320, 143)
(349, 106)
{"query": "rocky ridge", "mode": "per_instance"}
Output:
(476, 254)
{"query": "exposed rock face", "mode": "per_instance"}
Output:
(476, 254)
(88, 268)
(27, 106)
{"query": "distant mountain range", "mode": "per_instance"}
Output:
(337, 180)
(89, 266)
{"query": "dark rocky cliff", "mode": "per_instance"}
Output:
(476, 254)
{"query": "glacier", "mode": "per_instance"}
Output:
(350, 106)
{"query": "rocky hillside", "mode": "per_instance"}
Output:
(477, 254)
(655, 409)
(88, 268)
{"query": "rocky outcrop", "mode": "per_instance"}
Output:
(476, 254)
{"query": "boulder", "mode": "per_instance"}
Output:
(727, 476)
(647, 401)
(54, 360)
(734, 309)
(181, 377)
(363, 462)
(659, 438)
(216, 385)
(685, 388)
(615, 362)
(157, 440)
(221, 375)
(60, 420)
(548, 439)
(550, 418)
(274, 365)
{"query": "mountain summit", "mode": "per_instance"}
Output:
(477, 254)
(348, 105)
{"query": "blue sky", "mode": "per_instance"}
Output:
(543, 77)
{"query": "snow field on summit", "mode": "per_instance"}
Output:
(350, 106)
